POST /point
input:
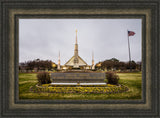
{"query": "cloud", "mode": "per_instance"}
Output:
(44, 38)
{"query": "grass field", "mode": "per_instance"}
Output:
(132, 80)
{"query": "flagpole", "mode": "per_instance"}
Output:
(129, 52)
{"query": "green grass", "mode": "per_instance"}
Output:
(132, 80)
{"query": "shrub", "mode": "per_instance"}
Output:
(112, 78)
(43, 78)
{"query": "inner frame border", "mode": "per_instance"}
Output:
(82, 16)
(19, 14)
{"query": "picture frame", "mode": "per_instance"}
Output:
(11, 11)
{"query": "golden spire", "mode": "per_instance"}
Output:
(58, 66)
(93, 66)
(92, 57)
(59, 56)
(76, 36)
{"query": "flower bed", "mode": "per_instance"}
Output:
(78, 85)
(107, 90)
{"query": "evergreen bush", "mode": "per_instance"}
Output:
(112, 78)
(43, 78)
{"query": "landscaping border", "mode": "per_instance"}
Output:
(82, 90)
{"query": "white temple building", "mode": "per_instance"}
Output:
(76, 62)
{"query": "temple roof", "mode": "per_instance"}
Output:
(76, 61)
(81, 62)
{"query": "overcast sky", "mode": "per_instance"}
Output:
(107, 38)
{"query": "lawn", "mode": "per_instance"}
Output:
(132, 80)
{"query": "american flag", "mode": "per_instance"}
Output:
(131, 33)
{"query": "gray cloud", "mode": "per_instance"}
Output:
(44, 38)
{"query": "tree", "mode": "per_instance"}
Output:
(110, 64)
(115, 64)
(138, 65)
(39, 64)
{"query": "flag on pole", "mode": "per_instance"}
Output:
(131, 33)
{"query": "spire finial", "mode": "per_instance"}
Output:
(92, 55)
(58, 66)
(59, 55)
(93, 66)
(76, 36)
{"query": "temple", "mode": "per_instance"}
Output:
(76, 62)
